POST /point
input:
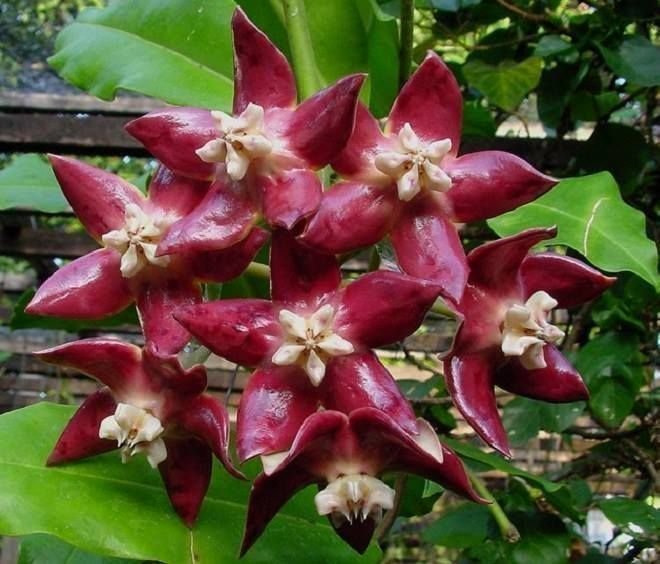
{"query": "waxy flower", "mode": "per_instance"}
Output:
(312, 343)
(506, 338)
(130, 227)
(149, 405)
(262, 158)
(407, 181)
(345, 456)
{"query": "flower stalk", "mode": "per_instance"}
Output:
(507, 528)
(406, 40)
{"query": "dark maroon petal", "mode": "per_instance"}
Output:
(90, 287)
(174, 195)
(470, 380)
(207, 419)
(360, 380)
(244, 331)
(157, 299)
(383, 307)
(431, 103)
(80, 437)
(567, 280)
(357, 534)
(299, 274)
(427, 246)
(352, 215)
(557, 382)
(496, 265)
(489, 183)
(268, 495)
(262, 74)
(221, 266)
(165, 372)
(186, 473)
(356, 160)
(320, 127)
(173, 135)
(274, 405)
(116, 364)
(224, 217)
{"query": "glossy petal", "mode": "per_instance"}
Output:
(288, 196)
(360, 380)
(567, 280)
(300, 274)
(322, 124)
(244, 331)
(352, 215)
(383, 307)
(221, 266)
(557, 382)
(90, 287)
(98, 198)
(470, 381)
(489, 183)
(274, 405)
(174, 195)
(157, 299)
(80, 437)
(431, 103)
(262, 74)
(173, 135)
(186, 473)
(224, 217)
(427, 246)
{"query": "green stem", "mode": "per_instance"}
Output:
(441, 308)
(302, 52)
(259, 270)
(406, 40)
(507, 528)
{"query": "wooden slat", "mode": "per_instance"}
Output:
(27, 242)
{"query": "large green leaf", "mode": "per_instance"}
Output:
(524, 417)
(635, 517)
(28, 183)
(636, 60)
(593, 219)
(506, 84)
(176, 50)
(465, 526)
(45, 549)
(104, 507)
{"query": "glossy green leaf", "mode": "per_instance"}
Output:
(555, 89)
(465, 526)
(477, 121)
(104, 507)
(636, 60)
(46, 549)
(28, 183)
(551, 45)
(176, 50)
(634, 516)
(505, 84)
(593, 219)
(543, 538)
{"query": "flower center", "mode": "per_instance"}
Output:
(526, 330)
(415, 165)
(137, 241)
(353, 497)
(242, 139)
(135, 431)
(310, 342)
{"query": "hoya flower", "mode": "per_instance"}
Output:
(130, 226)
(149, 406)
(263, 156)
(312, 343)
(346, 456)
(507, 338)
(409, 182)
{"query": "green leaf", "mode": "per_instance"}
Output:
(176, 50)
(465, 526)
(586, 106)
(593, 219)
(416, 389)
(555, 89)
(477, 121)
(636, 60)
(551, 45)
(28, 183)
(471, 452)
(543, 538)
(102, 506)
(506, 84)
(635, 517)
(45, 549)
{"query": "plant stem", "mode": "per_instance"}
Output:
(406, 40)
(507, 528)
(302, 52)
(259, 270)
(441, 308)
(389, 518)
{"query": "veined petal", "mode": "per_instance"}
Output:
(90, 287)
(489, 183)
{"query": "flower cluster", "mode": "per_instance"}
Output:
(319, 408)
